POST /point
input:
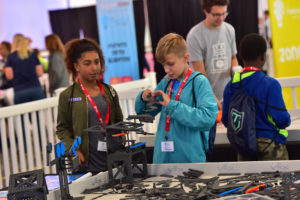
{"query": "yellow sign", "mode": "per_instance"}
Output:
(285, 27)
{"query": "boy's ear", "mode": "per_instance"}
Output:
(263, 57)
(186, 57)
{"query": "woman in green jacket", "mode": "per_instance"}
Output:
(88, 102)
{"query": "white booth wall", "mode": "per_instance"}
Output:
(31, 18)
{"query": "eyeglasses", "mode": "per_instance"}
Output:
(219, 14)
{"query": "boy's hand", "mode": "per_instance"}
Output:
(147, 95)
(165, 98)
(219, 104)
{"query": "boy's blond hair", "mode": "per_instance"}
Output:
(170, 43)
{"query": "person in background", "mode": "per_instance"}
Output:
(5, 49)
(88, 102)
(42, 60)
(183, 131)
(29, 42)
(267, 28)
(58, 76)
(271, 115)
(212, 49)
(212, 46)
(23, 68)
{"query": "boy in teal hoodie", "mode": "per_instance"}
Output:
(183, 130)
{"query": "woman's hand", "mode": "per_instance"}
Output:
(81, 158)
(165, 98)
(39, 70)
(9, 73)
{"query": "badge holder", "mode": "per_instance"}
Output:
(167, 146)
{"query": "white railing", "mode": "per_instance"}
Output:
(293, 83)
(127, 98)
(23, 120)
(37, 122)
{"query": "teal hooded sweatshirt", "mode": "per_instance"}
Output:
(187, 120)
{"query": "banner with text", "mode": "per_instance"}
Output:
(285, 20)
(118, 40)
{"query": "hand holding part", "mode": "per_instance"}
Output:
(147, 95)
(81, 157)
(75, 146)
(161, 98)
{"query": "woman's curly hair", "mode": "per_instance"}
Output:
(74, 50)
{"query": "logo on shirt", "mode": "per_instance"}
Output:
(237, 119)
(220, 60)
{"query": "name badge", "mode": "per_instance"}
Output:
(167, 146)
(101, 146)
(75, 99)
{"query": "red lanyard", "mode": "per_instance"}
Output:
(168, 118)
(250, 69)
(94, 105)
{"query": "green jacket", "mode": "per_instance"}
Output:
(68, 128)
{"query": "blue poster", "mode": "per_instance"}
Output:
(117, 38)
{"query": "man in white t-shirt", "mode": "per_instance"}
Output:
(212, 46)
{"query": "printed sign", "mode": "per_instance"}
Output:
(117, 38)
(285, 20)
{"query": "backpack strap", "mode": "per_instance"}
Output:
(258, 100)
(268, 105)
(195, 104)
(194, 96)
(169, 81)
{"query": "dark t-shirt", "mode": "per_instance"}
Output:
(24, 71)
(97, 159)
